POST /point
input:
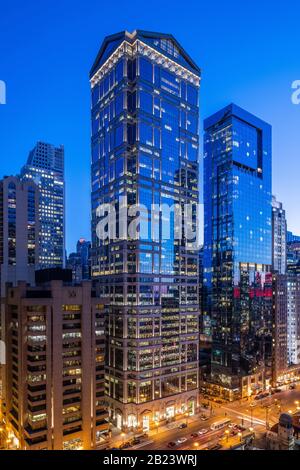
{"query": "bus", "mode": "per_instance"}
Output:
(220, 424)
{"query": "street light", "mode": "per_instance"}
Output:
(240, 436)
(227, 434)
(123, 436)
(196, 444)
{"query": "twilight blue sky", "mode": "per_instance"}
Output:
(248, 52)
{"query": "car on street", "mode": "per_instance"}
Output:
(125, 445)
(172, 444)
(263, 395)
(181, 440)
(182, 425)
(292, 387)
(241, 428)
(194, 435)
(203, 431)
(204, 418)
(135, 441)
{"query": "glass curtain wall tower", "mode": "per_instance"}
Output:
(238, 250)
(145, 143)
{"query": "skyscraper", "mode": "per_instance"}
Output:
(278, 237)
(145, 151)
(45, 166)
(238, 250)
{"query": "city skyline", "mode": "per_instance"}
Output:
(149, 228)
(66, 107)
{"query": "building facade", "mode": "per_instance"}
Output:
(280, 326)
(80, 261)
(19, 239)
(55, 366)
(279, 237)
(293, 319)
(286, 348)
(145, 143)
(19, 230)
(45, 167)
(291, 237)
(293, 257)
(238, 250)
(281, 436)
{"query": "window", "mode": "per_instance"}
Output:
(146, 70)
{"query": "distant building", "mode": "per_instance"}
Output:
(278, 237)
(74, 264)
(293, 257)
(80, 262)
(55, 365)
(45, 167)
(291, 237)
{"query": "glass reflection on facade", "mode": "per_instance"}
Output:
(238, 249)
(145, 149)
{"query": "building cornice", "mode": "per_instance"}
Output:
(139, 47)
